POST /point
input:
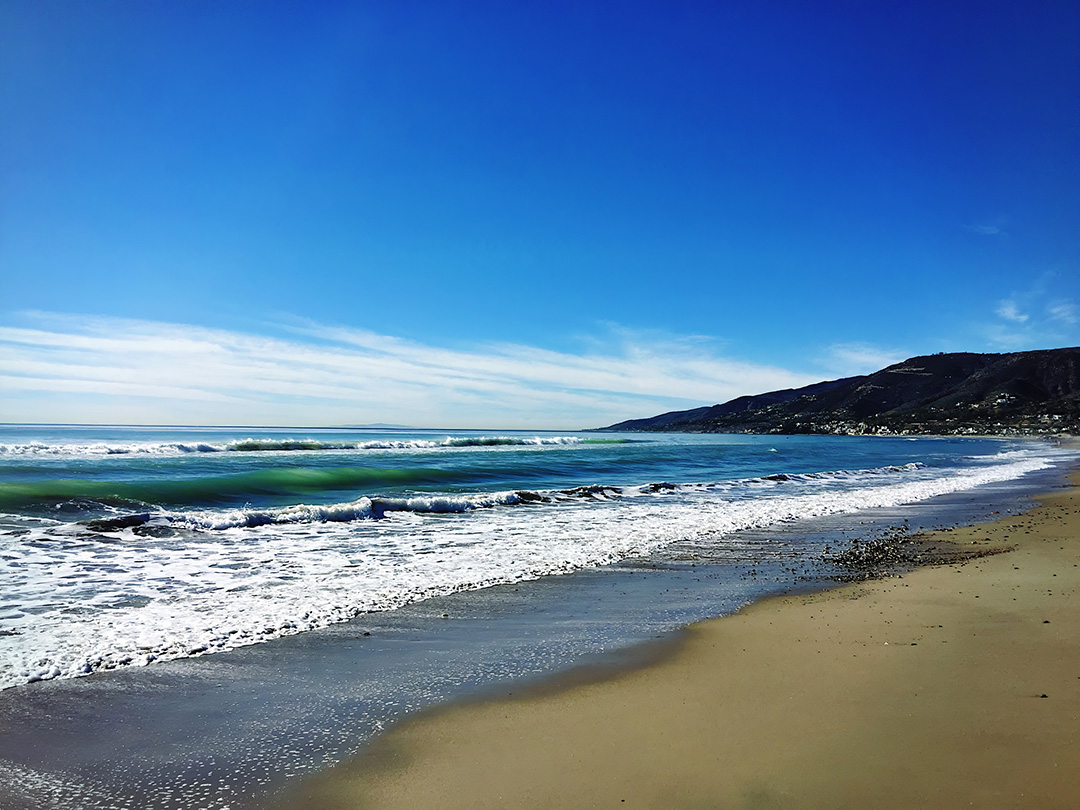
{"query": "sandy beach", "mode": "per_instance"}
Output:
(952, 686)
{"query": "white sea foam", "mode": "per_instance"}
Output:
(97, 449)
(266, 445)
(77, 601)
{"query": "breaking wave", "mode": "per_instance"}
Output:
(376, 507)
(284, 445)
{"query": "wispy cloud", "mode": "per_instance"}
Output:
(1063, 311)
(94, 369)
(995, 227)
(850, 359)
(1008, 310)
(1038, 317)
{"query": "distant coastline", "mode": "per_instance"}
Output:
(1034, 393)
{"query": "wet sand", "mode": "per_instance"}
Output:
(952, 686)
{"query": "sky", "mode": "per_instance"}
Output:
(546, 215)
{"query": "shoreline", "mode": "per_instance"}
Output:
(922, 690)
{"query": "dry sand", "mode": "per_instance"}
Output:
(955, 686)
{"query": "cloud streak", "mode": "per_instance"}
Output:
(96, 369)
(1011, 312)
(992, 228)
(851, 359)
(1064, 312)
(1039, 317)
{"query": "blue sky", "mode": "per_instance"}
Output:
(490, 215)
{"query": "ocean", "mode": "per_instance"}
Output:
(392, 568)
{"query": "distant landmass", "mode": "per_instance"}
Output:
(377, 426)
(1019, 393)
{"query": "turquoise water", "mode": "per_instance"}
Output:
(82, 472)
(123, 546)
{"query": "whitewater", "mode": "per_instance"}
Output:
(121, 547)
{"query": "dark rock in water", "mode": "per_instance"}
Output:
(151, 530)
(528, 496)
(116, 524)
(659, 486)
(591, 490)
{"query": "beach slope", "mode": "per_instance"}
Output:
(951, 686)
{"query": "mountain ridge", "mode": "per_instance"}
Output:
(961, 393)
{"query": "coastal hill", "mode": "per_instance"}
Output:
(1036, 392)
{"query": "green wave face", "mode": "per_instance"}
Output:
(215, 490)
(256, 445)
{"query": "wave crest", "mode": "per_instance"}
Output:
(373, 507)
(266, 445)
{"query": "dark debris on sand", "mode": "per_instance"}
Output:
(898, 550)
